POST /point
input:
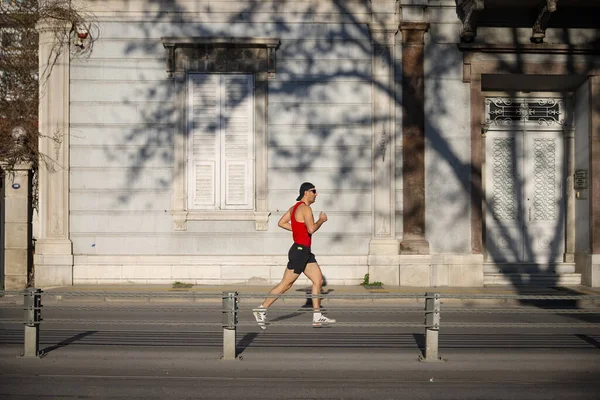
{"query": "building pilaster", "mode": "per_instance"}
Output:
(17, 237)
(591, 274)
(383, 240)
(383, 247)
(53, 253)
(413, 138)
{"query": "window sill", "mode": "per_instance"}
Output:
(260, 218)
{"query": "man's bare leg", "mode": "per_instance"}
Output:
(260, 314)
(289, 277)
(313, 272)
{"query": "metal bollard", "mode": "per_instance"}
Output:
(432, 327)
(33, 316)
(230, 320)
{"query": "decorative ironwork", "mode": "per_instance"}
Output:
(504, 176)
(527, 111)
(544, 176)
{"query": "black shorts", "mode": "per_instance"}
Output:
(298, 257)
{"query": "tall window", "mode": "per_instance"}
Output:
(220, 124)
(221, 83)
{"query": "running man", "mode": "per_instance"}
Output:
(300, 221)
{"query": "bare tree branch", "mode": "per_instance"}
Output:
(20, 80)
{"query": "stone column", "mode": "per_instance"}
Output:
(413, 138)
(569, 140)
(383, 127)
(53, 254)
(17, 227)
(477, 162)
(592, 273)
(383, 248)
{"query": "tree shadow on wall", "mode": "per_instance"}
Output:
(321, 117)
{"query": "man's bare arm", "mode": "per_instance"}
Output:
(311, 225)
(284, 222)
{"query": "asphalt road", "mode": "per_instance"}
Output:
(123, 350)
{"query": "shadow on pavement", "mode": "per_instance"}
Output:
(420, 342)
(245, 342)
(287, 316)
(590, 340)
(67, 342)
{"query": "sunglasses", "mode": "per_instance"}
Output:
(313, 190)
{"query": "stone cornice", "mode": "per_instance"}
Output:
(383, 34)
(414, 26)
(50, 25)
(529, 48)
(216, 41)
(22, 166)
(181, 217)
(189, 45)
(414, 32)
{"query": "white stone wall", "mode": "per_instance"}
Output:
(448, 137)
(123, 122)
(582, 161)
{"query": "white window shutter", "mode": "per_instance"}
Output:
(237, 146)
(204, 141)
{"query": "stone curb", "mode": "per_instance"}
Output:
(116, 299)
(161, 294)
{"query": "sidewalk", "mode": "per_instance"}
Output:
(334, 294)
(173, 372)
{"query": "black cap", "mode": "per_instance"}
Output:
(303, 188)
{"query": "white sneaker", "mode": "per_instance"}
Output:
(317, 323)
(261, 317)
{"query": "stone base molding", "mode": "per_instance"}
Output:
(53, 270)
(209, 270)
(427, 270)
(441, 270)
(53, 263)
(384, 268)
(589, 267)
(384, 246)
(403, 270)
(414, 246)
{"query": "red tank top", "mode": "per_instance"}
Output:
(299, 231)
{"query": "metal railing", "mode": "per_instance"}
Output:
(32, 306)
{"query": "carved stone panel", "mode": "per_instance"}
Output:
(544, 170)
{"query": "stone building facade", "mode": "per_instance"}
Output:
(452, 143)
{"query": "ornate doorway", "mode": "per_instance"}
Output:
(525, 179)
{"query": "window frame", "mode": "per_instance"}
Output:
(221, 183)
(254, 56)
